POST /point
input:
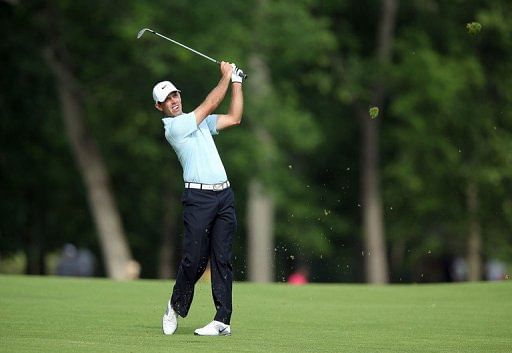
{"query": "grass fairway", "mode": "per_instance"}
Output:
(48, 314)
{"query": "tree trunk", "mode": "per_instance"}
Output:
(260, 205)
(373, 225)
(474, 257)
(260, 215)
(116, 253)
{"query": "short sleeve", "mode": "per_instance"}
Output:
(211, 120)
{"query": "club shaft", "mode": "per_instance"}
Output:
(141, 32)
(184, 46)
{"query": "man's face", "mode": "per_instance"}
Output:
(172, 105)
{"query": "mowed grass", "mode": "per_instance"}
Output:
(49, 314)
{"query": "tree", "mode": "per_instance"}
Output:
(373, 227)
(364, 73)
(445, 166)
(116, 252)
(39, 191)
(443, 132)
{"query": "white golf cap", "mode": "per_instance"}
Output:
(162, 90)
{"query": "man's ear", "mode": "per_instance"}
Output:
(158, 107)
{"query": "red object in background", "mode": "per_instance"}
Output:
(297, 279)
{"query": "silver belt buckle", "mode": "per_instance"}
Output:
(217, 187)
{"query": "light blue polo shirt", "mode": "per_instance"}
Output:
(195, 148)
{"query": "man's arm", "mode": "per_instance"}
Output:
(236, 107)
(216, 95)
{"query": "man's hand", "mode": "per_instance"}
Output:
(226, 69)
(237, 75)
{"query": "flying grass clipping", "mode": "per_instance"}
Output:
(374, 112)
(473, 28)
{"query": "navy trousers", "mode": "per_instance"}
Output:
(209, 226)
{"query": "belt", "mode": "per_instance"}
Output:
(213, 187)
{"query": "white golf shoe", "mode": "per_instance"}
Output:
(170, 320)
(214, 328)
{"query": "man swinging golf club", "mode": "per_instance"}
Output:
(209, 208)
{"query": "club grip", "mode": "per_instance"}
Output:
(241, 73)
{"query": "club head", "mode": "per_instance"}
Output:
(141, 32)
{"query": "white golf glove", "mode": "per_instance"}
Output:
(237, 74)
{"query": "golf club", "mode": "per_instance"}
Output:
(141, 32)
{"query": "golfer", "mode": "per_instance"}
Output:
(209, 205)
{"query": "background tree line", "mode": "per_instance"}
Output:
(318, 182)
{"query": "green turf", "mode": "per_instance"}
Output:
(48, 314)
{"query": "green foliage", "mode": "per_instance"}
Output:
(448, 122)
(42, 196)
(446, 136)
